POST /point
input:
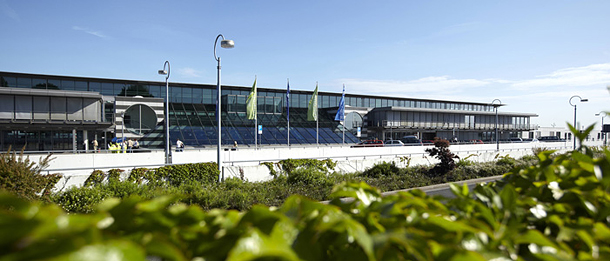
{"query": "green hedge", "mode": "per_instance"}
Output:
(555, 209)
(196, 184)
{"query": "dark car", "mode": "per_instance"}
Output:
(369, 143)
(411, 141)
(550, 139)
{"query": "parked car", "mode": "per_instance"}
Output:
(411, 140)
(427, 142)
(369, 143)
(393, 143)
(550, 139)
(515, 140)
(475, 142)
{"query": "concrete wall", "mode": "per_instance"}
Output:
(246, 161)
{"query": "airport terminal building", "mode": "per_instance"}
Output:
(55, 112)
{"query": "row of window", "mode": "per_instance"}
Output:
(208, 95)
(443, 120)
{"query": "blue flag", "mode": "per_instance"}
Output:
(288, 102)
(340, 116)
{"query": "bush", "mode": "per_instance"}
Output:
(175, 175)
(441, 152)
(382, 169)
(22, 177)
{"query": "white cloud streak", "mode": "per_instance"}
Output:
(89, 31)
(574, 78)
(189, 72)
(8, 11)
(595, 74)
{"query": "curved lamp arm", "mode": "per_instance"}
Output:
(164, 71)
(580, 98)
(223, 43)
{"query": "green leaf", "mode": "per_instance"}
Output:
(360, 192)
(534, 237)
(254, 245)
(110, 250)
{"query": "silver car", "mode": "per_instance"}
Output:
(391, 143)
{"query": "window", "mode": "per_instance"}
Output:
(24, 82)
(67, 85)
(80, 86)
(95, 87)
(39, 83)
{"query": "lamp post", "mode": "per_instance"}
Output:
(168, 150)
(122, 128)
(496, 109)
(603, 133)
(574, 105)
(224, 44)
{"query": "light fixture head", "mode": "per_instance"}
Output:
(584, 100)
(163, 72)
(227, 44)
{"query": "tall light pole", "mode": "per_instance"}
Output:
(496, 109)
(224, 44)
(603, 133)
(168, 150)
(574, 105)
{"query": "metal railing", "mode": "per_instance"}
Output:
(336, 157)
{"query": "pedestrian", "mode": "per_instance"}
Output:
(95, 144)
(130, 145)
(179, 145)
(235, 144)
(136, 145)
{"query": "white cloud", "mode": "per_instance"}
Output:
(89, 31)
(8, 11)
(595, 74)
(433, 84)
(189, 72)
(457, 29)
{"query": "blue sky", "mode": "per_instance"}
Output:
(532, 55)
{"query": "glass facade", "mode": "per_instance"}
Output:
(192, 111)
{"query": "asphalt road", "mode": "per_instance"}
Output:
(444, 189)
(439, 189)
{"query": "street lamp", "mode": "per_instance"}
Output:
(581, 100)
(168, 150)
(122, 129)
(224, 44)
(603, 133)
(496, 108)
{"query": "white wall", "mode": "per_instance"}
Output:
(77, 167)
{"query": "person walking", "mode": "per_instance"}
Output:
(130, 145)
(179, 145)
(95, 144)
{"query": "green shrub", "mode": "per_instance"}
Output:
(206, 173)
(307, 176)
(505, 160)
(96, 178)
(287, 166)
(138, 175)
(441, 152)
(382, 169)
(22, 177)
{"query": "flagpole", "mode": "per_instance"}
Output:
(317, 119)
(288, 108)
(256, 133)
(343, 124)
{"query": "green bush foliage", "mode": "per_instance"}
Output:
(22, 177)
(556, 209)
(288, 166)
(175, 175)
(382, 169)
